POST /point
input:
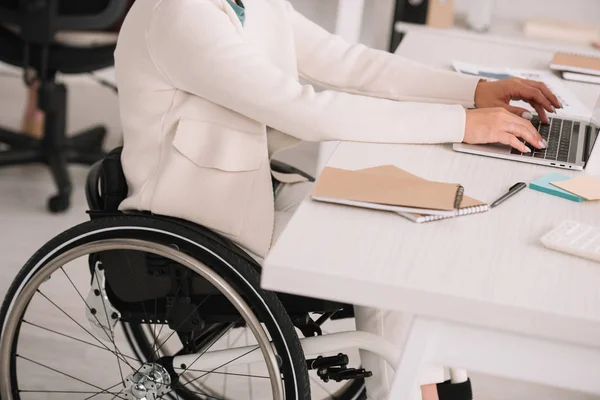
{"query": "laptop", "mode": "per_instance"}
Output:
(570, 143)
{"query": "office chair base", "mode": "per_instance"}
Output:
(84, 148)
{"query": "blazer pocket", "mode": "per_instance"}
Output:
(209, 175)
(215, 146)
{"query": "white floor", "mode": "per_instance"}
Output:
(25, 225)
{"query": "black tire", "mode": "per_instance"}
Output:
(237, 271)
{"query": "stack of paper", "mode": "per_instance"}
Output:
(577, 67)
(393, 189)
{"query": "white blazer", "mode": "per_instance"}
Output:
(205, 102)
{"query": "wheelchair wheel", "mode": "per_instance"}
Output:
(61, 336)
(140, 338)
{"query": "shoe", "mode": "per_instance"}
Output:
(455, 391)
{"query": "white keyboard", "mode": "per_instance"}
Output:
(575, 238)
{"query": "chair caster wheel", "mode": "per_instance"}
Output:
(59, 203)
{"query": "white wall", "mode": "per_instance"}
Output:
(587, 11)
(323, 12)
(377, 21)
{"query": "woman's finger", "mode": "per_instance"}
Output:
(541, 112)
(546, 91)
(521, 112)
(534, 95)
(526, 132)
(512, 141)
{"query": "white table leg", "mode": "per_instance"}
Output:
(421, 339)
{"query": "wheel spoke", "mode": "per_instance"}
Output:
(112, 334)
(120, 391)
(202, 353)
(237, 339)
(78, 324)
(173, 303)
(78, 340)
(197, 358)
(209, 396)
(220, 366)
(229, 373)
(155, 354)
(65, 374)
(226, 370)
(174, 331)
(181, 324)
(62, 391)
(113, 386)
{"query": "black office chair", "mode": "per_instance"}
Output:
(35, 50)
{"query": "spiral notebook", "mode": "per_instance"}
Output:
(468, 206)
(392, 189)
(576, 63)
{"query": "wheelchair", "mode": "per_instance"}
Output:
(154, 307)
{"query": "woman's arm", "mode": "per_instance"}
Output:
(198, 50)
(329, 61)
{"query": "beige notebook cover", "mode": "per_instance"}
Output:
(387, 186)
(583, 186)
(576, 63)
(468, 204)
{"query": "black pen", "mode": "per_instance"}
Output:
(511, 192)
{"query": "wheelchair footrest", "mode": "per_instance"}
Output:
(335, 368)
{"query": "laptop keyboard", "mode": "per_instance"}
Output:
(558, 135)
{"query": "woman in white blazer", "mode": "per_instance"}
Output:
(209, 92)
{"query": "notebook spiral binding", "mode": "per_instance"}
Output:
(473, 210)
(580, 54)
(459, 196)
(461, 212)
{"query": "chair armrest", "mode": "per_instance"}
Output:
(284, 168)
(92, 187)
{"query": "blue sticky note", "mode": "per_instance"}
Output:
(543, 185)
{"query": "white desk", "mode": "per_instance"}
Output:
(502, 31)
(486, 294)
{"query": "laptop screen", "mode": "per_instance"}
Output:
(596, 114)
(595, 130)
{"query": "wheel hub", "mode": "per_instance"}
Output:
(149, 383)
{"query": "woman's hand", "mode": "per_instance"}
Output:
(497, 125)
(500, 93)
